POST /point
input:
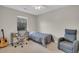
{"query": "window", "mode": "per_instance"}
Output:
(21, 23)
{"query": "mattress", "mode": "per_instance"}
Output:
(42, 38)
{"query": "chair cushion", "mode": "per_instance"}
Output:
(66, 50)
(70, 37)
(66, 45)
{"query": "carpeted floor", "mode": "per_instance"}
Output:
(32, 47)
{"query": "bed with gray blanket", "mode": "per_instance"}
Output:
(41, 38)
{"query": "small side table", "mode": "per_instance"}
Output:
(13, 38)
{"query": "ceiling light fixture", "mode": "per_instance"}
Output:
(38, 7)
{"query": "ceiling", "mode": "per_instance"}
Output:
(35, 9)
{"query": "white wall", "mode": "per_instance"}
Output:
(56, 21)
(8, 20)
(53, 22)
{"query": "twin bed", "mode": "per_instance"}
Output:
(41, 38)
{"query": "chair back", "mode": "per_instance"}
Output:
(70, 35)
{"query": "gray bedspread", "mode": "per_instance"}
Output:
(42, 38)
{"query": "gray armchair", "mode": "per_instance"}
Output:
(69, 42)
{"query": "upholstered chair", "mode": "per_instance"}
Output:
(69, 42)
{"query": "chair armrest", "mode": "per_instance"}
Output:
(60, 39)
(75, 46)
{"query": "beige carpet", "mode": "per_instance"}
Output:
(32, 47)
